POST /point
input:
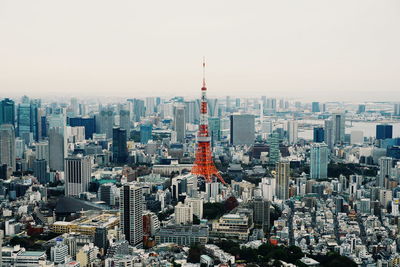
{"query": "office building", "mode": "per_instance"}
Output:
(57, 148)
(138, 109)
(329, 138)
(233, 226)
(40, 170)
(396, 109)
(88, 123)
(145, 133)
(242, 129)
(24, 122)
(150, 106)
(338, 125)
(125, 121)
(385, 171)
(282, 180)
(261, 213)
(197, 206)
(384, 131)
(131, 209)
(105, 122)
(100, 238)
(7, 146)
(119, 146)
(318, 135)
(292, 131)
(214, 128)
(315, 107)
(179, 123)
(78, 173)
(319, 161)
(7, 112)
(42, 150)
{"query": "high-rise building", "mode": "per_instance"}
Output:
(384, 131)
(119, 146)
(183, 214)
(315, 107)
(7, 146)
(396, 109)
(180, 123)
(338, 124)
(329, 134)
(42, 151)
(318, 135)
(145, 133)
(78, 173)
(292, 131)
(274, 152)
(125, 121)
(100, 238)
(261, 212)
(40, 170)
(282, 180)
(105, 122)
(197, 206)
(150, 106)
(214, 125)
(242, 129)
(7, 111)
(138, 109)
(131, 209)
(57, 148)
(361, 108)
(319, 161)
(59, 252)
(88, 123)
(385, 171)
(25, 130)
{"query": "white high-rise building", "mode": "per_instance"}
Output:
(292, 131)
(267, 187)
(78, 172)
(7, 146)
(131, 213)
(319, 161)
(183, 214)
(197, 206)
(59, 252)
(395, 207)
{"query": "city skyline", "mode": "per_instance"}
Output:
(313, 50)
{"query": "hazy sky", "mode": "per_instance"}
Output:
(315, 49)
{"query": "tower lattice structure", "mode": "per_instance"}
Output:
(203, 164)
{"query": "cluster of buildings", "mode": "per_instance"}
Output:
(84, 183)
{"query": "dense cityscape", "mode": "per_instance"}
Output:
(199, 182)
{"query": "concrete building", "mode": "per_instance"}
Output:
(242, 129)
(78, 173)
(183, 214)
(319, 161)
(282, 180)
(7, 146)
(131, 209)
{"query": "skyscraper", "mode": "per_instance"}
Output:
(40, 170)
(384, 131)
(24, 122)
(145, 132)
(125, 121)
(315, 107)
(385, 171)
(329, 134)
(7, 111)
(319, 161)
(78, 172)
(282, 180)
(292, 131)
(242, 129)
(261, 212)
(105, 122)
(214, 125)
(396, 109)
(119, 146)
(318, 135)
(179, 123)
(57, 148)
(338, 124)
(150, 106)
(7, 146)
(131, 209)
(274, 152)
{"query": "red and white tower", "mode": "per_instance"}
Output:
(203, 164)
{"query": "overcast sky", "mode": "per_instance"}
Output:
(311, 49)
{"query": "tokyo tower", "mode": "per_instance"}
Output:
(203, 164)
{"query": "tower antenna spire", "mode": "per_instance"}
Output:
(204, 71)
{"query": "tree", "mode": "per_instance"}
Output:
(195, 252)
